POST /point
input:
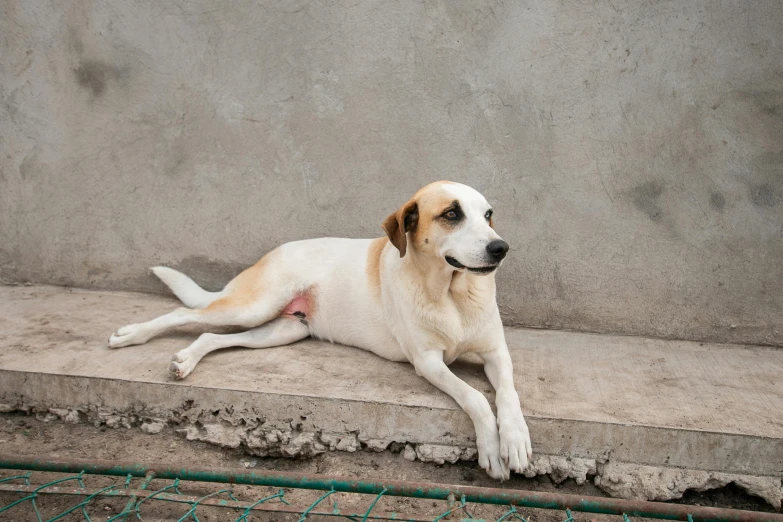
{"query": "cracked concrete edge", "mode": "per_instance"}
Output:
(618, 479)
(600, 441)
(633, 481)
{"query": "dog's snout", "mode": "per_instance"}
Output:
(497, 249)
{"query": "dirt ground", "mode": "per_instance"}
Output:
(26, 435)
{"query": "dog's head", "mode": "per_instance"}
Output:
(449, 223)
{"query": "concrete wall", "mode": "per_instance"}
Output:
(633, 150)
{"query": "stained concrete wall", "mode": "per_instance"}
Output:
(633, 150)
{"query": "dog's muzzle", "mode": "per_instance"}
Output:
(479, 270)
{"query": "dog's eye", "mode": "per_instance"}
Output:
(452, 214)
(488, 214)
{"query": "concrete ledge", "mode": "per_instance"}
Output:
(643, 418)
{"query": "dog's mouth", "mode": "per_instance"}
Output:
(480, 270)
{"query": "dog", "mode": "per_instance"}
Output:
(425, 294)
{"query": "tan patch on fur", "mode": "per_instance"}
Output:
(432, 203)
(428, 198)
(374, 264)
(245, 288)
(433, 185)
(312, 299)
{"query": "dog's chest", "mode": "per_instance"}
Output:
(461, 316)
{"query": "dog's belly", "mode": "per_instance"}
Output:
(353, 325)
(371, 337)
(336, 303)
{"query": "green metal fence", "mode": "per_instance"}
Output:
(23, 496)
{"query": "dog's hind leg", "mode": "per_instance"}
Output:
(246, 308)
(278, 332)
(257, 295)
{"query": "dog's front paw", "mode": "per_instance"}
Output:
(181, 365)
(515, 446)
(490, 459)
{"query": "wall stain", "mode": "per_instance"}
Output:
(560, 291)
(646, 199)
(94, 76)
(717, 201)
(764, 195)
(31, 167)
(96, 271)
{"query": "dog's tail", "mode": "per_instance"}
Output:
(185, 288)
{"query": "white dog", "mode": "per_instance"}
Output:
(424, 294)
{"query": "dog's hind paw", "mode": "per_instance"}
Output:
(127, 336)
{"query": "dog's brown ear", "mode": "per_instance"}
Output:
(401, 222)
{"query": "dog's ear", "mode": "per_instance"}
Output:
(400, 223)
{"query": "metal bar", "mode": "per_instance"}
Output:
(499, 496)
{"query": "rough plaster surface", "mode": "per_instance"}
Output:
(632, 150)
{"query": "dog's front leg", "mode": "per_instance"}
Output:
(429, 364)
(515, 447)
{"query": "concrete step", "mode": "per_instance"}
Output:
(643, 418)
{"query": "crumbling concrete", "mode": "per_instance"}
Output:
(561, 468)
(659, 483)
(151, 427)
(618, 479)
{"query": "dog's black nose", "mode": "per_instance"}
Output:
(497, 249)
